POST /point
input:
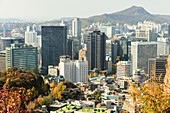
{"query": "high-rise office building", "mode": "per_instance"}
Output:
(7, 41)
(124, 69)
(129, 50)
(73, 71)
(163, 47)
(108, 30)
(76, 30)
(64, 23)
(84, 37)
(123, 48)
(54, 45)
(111, 49)
(70, 48)
(109, 64)
(141, 52)
(30, 36)
(96, 50)
(157, 67)
(21, 56)
(75, 49)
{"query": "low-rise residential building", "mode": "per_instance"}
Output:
(86, 104)
(53, 70)
(123, 84)
(123, 69)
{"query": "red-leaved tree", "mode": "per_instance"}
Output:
(13, 101)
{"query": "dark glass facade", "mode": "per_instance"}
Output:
(96, 50)
(54, 45)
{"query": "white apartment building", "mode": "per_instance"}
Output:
(163, 47)
(156, 28)
(30, 36)
(146, 34)
(74, 70)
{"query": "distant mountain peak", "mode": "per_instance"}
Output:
(131, 15)
(137, 7)
(134, 10)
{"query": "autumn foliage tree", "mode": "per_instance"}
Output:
(46, 100)
(13, 101)
(95, 75)
(151, 97)
(29, 80)
(18, 88)
(90, 75)
(52, 85)
(59, 89)
(97, 95)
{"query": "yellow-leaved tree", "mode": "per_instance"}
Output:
(52, 85)
(95, 74)
(150, 97)
(58, 91)
(114, 75)
(90, 75)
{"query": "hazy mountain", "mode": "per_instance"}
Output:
(66, 18)
(17, 20)
(132, 15)
(9, 20)
(63, 18)
(164, 16)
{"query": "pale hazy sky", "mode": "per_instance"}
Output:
(54, 9)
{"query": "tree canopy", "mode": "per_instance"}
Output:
(59, 89)
(24, 78)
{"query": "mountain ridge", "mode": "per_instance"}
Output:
(131, 15)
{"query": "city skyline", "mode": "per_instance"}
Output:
(24, 9)
(95, 56)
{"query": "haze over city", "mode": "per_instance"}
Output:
(55, 9)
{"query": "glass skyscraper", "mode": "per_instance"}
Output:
(96, 50)
(54, 43)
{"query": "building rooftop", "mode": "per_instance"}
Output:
(3, 51)
(143, 43)
(163, 57)
(93, 78)
(10, 38)
(124, 62)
